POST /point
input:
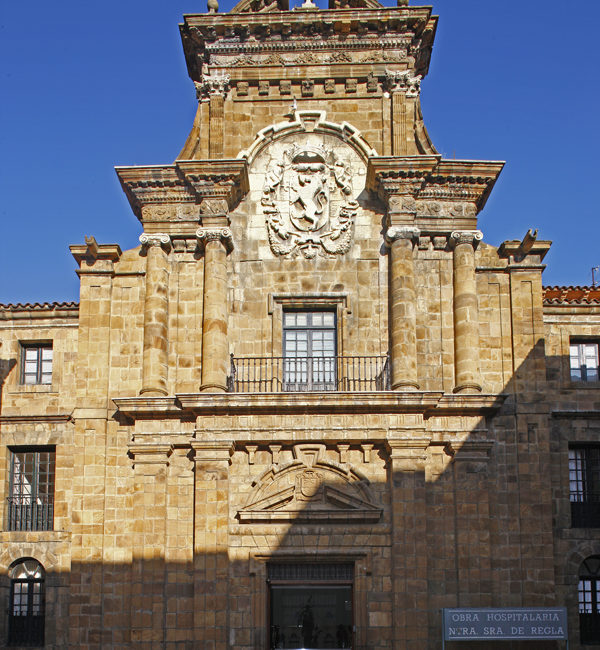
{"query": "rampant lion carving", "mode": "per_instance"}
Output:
(307, 201)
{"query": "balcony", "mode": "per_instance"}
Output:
(308, 374)
(26, 514)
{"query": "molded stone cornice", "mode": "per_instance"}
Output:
(430, 177)
(347, 29)
(430, 404)
(201, 182)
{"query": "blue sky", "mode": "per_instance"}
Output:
(86, 87)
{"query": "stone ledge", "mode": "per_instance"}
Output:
(427, 403)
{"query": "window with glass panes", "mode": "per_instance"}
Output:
(36, 366)
(309, 350)
(26, 616)
(589, 600)
(584, 486)
(31, 489)
(583, 361)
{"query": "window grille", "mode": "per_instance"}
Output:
(311, 572)
(31, 490)
(584, 486)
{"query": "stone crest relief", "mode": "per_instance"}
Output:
(308, 202)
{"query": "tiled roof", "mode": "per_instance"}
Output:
(571, 295)
(39, 306)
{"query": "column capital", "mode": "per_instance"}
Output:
(150, 453)
(157, 239)
(403, 81)
(212, 85)
(224, 235)
(394, 233)
(213, 451)
(472, 237)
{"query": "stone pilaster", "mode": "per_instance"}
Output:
(409, 527)
(466, 318)
(404, 88)
(214, 89)
(154, 364)
(211, 541)
(403, 322)
(148, 589)
(215, 352)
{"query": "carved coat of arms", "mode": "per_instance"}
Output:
(308, 204)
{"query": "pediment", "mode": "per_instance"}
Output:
(310, 489)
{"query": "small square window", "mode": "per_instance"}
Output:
(583, 356)
(36, 363)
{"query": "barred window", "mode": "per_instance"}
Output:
(36, 363)
(584, 486)
(31, 490)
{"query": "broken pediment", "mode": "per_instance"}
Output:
(310, 489)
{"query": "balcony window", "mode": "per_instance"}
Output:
(309, 350)
(584, 486)
(36, 363)
(31, 496)
(583, 361)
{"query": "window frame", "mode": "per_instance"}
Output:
(310, 371)
(28, 509)
(41, 378)
(581, 344)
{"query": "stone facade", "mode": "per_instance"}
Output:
(429, 449)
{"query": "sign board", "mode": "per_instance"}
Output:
(505, 624)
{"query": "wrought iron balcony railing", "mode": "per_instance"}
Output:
(25, 513)
(304, 374)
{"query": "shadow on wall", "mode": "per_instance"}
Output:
(470, 527)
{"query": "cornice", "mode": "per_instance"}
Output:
(187, 181)
(37, 310)
(430, 177)
(21, 419)
(348, 29)
(430, 404)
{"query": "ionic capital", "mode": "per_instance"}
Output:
(158, 239)
(212, 84)
(224, 235)
(393, 233)
(403, 81)
(472, 237)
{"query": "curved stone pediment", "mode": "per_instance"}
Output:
(310, 489)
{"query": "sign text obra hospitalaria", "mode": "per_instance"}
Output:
(496, 624)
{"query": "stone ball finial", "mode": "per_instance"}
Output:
(213, 6)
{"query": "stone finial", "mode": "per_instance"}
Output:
(472, 237)
(212, 84)
(403, 81)
(149, 240)
(394, 233)
(213, 6)
(224, 235)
